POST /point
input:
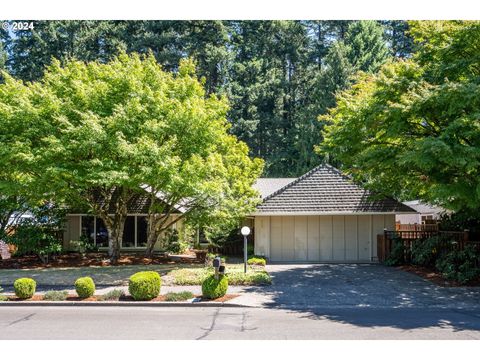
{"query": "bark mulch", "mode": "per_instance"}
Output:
(435, 277)
(124, 298)
(91, 259)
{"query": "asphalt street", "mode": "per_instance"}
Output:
(236, 323)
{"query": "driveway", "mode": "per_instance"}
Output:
(358, 286)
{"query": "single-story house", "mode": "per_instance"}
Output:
(322, 216)
(425, 213)
(80, 223)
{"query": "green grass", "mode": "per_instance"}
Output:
(54, 295)
(178, 296)
(3, 298)
(195, 276)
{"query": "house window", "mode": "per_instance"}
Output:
(134, 232)
(101, 238)
(142, 226)
(88, 228)
(129, 232)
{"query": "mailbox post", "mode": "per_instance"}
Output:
(245, 232)
(216, 265)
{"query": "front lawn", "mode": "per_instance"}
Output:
(195, 276)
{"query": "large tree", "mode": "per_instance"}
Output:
(96, 134)
(413, 129)
(278, 75)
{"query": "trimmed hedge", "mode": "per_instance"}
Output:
(254, 260)
(144, 285)
(85, 287)
(24, 288)
(214, 288)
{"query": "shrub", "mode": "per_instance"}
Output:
(54, 295)
(178, 296)
(112, 295)
(214, 288)
(255, 260)
(85, 287)
(38, 235)
(3, 298)
(24, 288)
(144, 285)
(426, 252)
(250, 278)
(459, 265)
(397, 254)
(173, 243)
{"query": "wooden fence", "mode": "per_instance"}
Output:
(416, 227)
(453, 239)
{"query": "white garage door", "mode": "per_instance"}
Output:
(325, 238)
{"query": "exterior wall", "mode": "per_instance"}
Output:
(409, 219)
(72, 231)
(323, 238)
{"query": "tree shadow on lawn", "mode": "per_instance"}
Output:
(64, 278)
(370, 295)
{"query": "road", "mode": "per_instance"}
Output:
(235, 323)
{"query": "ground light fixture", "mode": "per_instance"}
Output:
(245, 232)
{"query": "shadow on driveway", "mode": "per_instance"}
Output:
(370, 295)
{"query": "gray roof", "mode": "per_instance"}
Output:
(326, 190)
(267, 186)
(424, 208)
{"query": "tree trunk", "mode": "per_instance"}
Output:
(151, 240)
(115, 236)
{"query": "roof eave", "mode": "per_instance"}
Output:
(306, 213)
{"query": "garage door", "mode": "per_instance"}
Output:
(323, 238)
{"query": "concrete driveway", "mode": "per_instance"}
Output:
(358, 286)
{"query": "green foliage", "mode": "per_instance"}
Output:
(144, 285)
(279, 75)
(112, 295)
(411, 129)
(213, 288)
(24, 288)
(2, 297)
(83, 245)
(250, 278)
(173, 244)
(397, 253)
(85, 287)
(255, 260)
(426, 252)
(460, 265)
(178, 296)
(54, 295)
(235, 274)
(465, 219)
(39, 234)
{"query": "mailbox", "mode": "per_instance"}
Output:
(216, 262)
(221, 270)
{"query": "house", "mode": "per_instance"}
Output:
(92, 228)
(425, 213)
(322, 216)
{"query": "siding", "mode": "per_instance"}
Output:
(324, 238)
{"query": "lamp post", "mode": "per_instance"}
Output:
(245, 232)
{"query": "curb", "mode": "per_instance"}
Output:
(117, 304)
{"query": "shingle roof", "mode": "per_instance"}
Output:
(326, 190)
(267, 186)
(424, 208)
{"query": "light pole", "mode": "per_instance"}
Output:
(245, 232)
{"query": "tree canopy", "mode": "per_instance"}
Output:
(95, 134)
(278, 75)
(413, 128)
